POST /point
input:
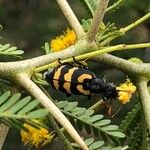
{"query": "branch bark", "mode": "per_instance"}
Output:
(97, 19)
(124, 65)
(3, 133)
(142, 88)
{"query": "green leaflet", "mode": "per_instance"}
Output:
(11, 101)
(95, 118)
(131, 118)
(20, 104)
(71, 106)
(29, 107)
(10, 51)
(38, 113)
(89, 141)
(4, 97)
(47, 48)
(96, 145)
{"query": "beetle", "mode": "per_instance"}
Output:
(76, 78)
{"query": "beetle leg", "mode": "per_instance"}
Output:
(80, 64)
(59, 61)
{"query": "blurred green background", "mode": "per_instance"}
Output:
(28, 24)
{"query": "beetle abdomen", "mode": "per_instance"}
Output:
(70, 80)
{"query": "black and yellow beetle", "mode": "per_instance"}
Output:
(75, 78)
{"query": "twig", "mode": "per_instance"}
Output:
(72, 19)
(67, 144)
(134, 24)
(125, 29)
(97, 19)
(142, 88)
(30, 86)
(114, 5)
(3, 133)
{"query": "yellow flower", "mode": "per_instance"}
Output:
(37, 137)
(125, 91)
(63, 41)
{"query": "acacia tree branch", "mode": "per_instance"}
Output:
(141, 84)
(97, 19)
(30, 86)
(125, 66)
(3, 133)
(72, 19)
(9, 69)
(121, 64)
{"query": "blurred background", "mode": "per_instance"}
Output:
(28, 24)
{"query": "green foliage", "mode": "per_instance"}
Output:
(131, 125)
(107, 31)
(86, 24)
(14, 110)
(47, 48)
(132, 118)
(135, 140)
(10, 51)
(97, 124)
(90, 5)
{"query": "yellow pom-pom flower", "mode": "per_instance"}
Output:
(63, 41)
(125, 91)
(37, 137)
